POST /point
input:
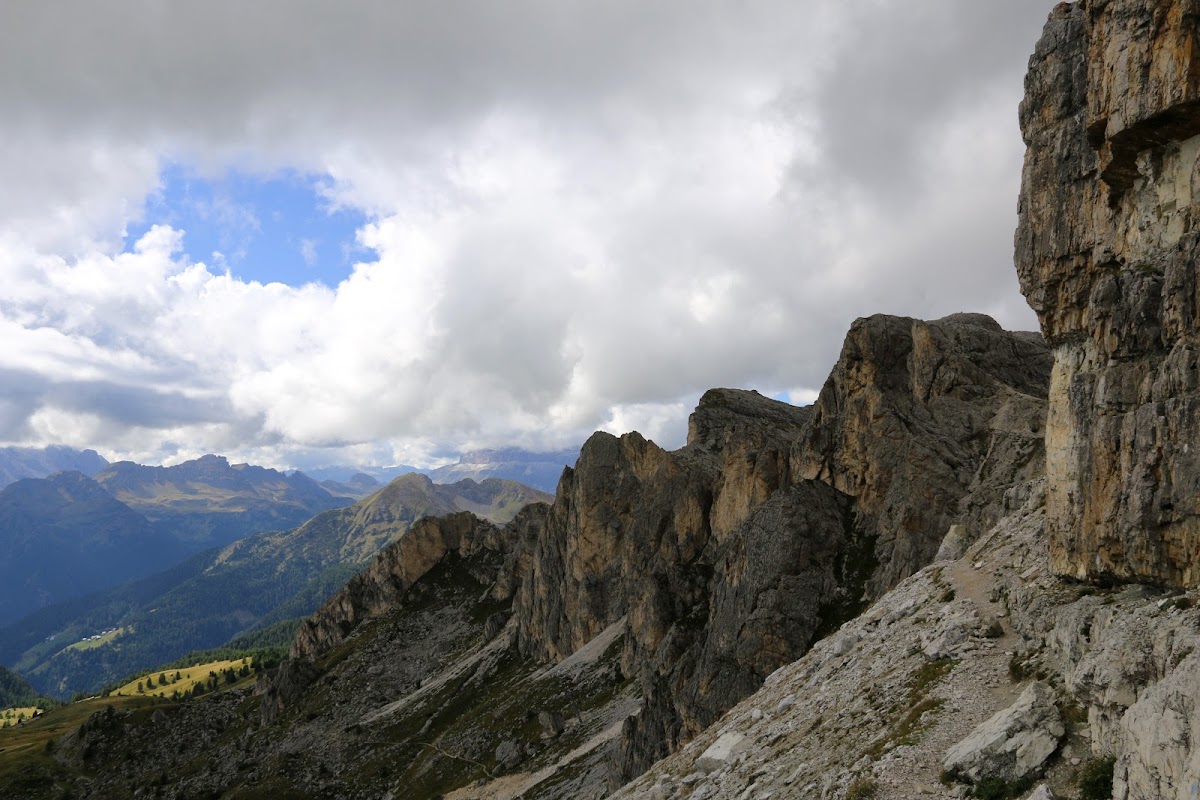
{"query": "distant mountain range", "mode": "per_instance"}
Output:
(539, 470)
(270, 578)
(209, 502)
(38, 462)
(358, 486)
(68, 535)
(64, 536)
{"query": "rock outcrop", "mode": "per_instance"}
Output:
(918, 415)
(378, 589)
(1014, 744)
(1160, 754)
(1106, 252)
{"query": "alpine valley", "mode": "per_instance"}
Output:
(968, 569)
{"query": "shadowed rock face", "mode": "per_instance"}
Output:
(1106, 252)
(719, 560)
(729, 557)
(918, 418)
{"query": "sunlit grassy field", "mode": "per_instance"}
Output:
(10, 716)
(92, 644)
(167, 682)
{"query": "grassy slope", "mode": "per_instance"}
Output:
(27, 764)
(11, 716)
(188, 678)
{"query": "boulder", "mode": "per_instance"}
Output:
(1013, 744)
(721, 753)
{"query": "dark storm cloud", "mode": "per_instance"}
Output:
(906, 70)
(24, 392)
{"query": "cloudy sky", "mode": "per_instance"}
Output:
(304, 233)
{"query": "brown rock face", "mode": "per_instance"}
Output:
(377, 590)
(722, 564)
(1106, 252)
(918, 415)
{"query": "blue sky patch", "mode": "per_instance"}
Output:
(269, 228)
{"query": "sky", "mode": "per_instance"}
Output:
(302, 233)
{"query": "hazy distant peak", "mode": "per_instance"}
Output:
(38, 462)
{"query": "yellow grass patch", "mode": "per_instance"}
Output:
(93, 642)
(10, 716)
(187, 679)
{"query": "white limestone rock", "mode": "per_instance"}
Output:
(1158, 751)
(721, 752)
(1014, 743)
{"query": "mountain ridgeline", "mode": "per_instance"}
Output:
(265, 579)
(209, 502)
(540, 470)
(66, 535)
(41, 462)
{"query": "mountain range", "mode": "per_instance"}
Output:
(67, 535)
(209, 502)
(64, 536)
(541, 470)
(39, 462)
(270, 578)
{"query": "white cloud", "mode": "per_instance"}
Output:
(583, 214)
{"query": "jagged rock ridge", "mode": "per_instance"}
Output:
(721, 561)
(261, 580)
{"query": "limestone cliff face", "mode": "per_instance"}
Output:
(1106, 253)
(914, 417)
(719, 562)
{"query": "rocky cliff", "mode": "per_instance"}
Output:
(926, 424)
(992, 673)
(1106, 253)
(718, 563)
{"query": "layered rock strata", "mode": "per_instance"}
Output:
(1106, 252)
